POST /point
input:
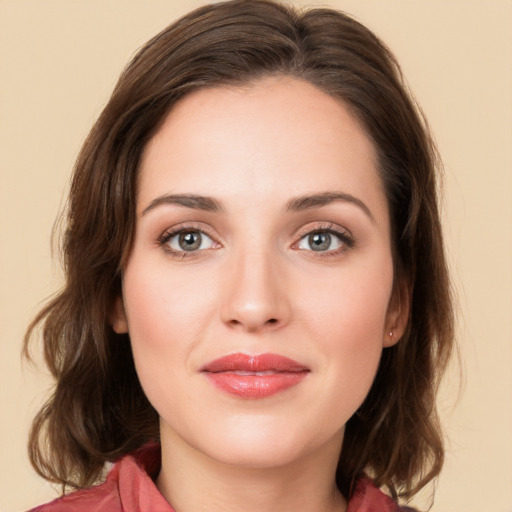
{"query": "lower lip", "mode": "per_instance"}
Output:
(255, 386)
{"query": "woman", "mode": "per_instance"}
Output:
(256, 313)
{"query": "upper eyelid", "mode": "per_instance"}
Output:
(323, 226)
(176, 230)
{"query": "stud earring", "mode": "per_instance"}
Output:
(390, 334)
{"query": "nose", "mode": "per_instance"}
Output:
(255, 298)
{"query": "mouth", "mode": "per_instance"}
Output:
(254, 377)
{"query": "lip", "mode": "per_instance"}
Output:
(254, 376)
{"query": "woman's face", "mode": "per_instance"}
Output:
(257, 292)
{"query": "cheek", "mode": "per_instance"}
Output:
(161, 301)
(350, 303)
(348, 323)
(164, 328)
(164, 325)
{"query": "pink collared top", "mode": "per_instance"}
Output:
(129, 487)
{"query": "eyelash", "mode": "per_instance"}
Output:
(164, 239)
(344, 237)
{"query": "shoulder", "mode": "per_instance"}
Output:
(129, 487)
(367, 497)
(101, 498)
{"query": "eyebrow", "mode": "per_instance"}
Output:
(207, 204)
(301, 203)
(309, 202)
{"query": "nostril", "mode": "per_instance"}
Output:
(272, 321)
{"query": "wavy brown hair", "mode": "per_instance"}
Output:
(98, 411)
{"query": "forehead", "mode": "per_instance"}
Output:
(277, 134)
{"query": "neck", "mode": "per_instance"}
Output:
(192, 482)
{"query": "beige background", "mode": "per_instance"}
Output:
(58, 62)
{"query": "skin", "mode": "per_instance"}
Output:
(256, 286)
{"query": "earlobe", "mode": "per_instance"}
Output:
(118, 317)
(390, 338)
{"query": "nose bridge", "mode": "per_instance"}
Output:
(256, 296)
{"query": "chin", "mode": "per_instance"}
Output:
(262, 442)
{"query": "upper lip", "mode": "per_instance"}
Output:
(254, 363)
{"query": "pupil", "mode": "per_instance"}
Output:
(190, 241)
(320, 241)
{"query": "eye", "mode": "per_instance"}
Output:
(325, 240)
(187, 240)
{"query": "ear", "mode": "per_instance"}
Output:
(397, 315)
(118, 317)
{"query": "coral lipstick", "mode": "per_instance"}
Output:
(254, 377)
